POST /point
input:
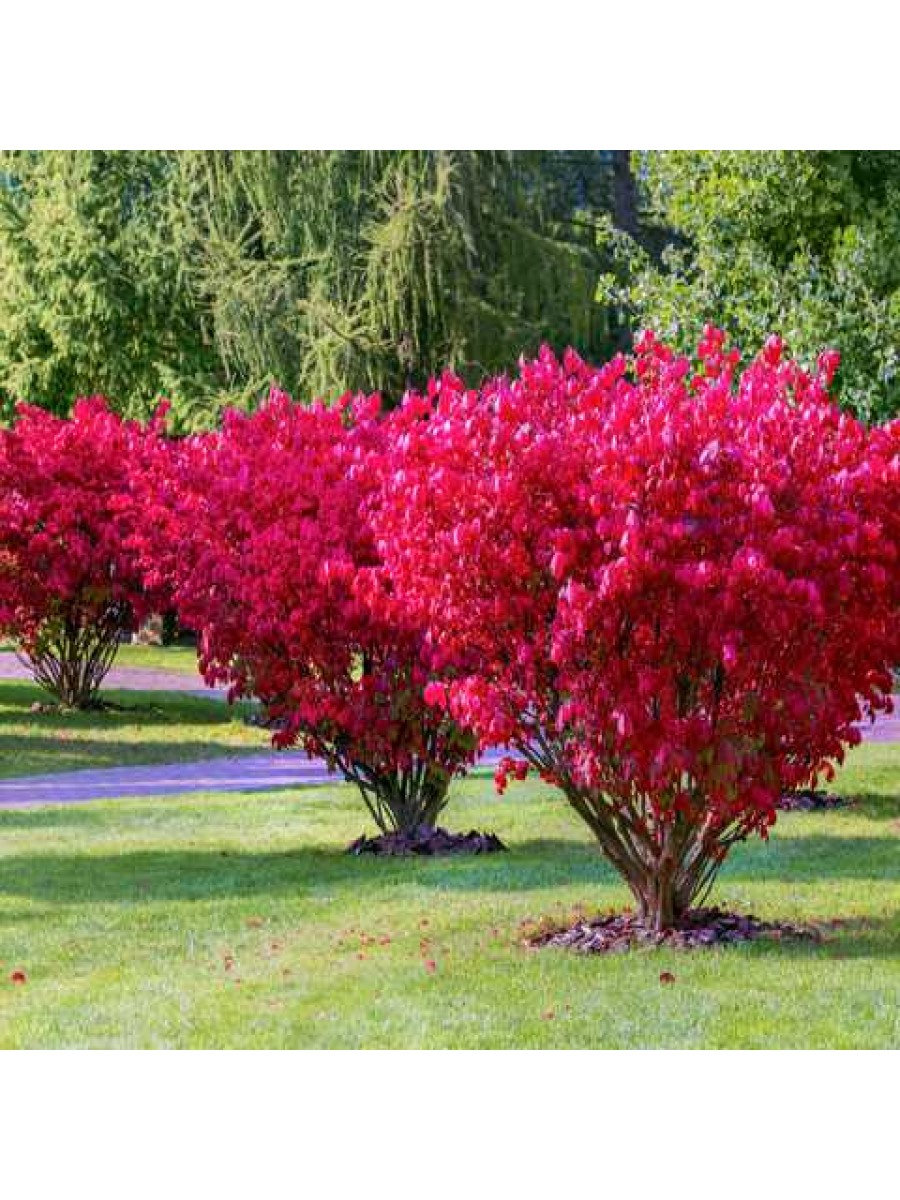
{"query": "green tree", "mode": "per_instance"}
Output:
(806, 244)
(343, 270)
(93, 294)
(208, 276)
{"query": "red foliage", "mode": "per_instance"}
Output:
(70, 582)
(265, 530)
(670, 586)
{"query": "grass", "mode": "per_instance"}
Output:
(152, 727)
(237, 921)
(161, 658)
(179, 657)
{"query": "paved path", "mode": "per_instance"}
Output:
(886, 728)
(137, 679)
(235, 773)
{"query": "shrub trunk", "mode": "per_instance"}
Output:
(71, 661)
(404, 800)
(669, 863)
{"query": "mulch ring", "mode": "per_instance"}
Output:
(811, 800)
(428, 841)
(701, 927)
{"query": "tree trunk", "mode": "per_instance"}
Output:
(71, 661)
(402, 801)
(624, 194)
(668, 864)
(661, 904)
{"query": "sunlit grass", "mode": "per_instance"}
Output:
(238, 921)
(150, 727)
(159, 658)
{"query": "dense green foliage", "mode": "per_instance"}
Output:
(337, 271)
(93, 295)
(208, 276)
(806, 244)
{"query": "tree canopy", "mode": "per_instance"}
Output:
(93, 291)
(802, 243)
(209, 276)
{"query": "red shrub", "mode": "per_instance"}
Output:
(264, 530)
(70, 583)
(672, 588)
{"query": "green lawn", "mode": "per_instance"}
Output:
(169, 658)
(182, 658)
(227, 921)
(152, 727)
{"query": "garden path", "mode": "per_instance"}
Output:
(137, 679)
(233, 773)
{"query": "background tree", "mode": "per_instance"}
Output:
(341, 270)
(209, 276)
(93, 297)
(803, 243)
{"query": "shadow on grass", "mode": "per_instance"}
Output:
(50, 756)
(164, 875)
(150, 876)
(871, 805)
(854, 938)
(148, 708)
(55, 741)
(814, 857)
(811, 858)
(72, 816)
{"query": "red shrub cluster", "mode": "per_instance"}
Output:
(70, 581)
(670, 587)
(265, 531)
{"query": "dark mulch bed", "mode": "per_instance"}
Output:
(701, 927)
(811, 800)
(428, 841)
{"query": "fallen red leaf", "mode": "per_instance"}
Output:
(666, 977)
(18, 977)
